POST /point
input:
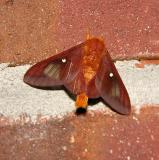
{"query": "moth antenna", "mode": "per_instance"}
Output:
(88, 36)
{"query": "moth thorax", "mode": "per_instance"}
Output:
(89, 64)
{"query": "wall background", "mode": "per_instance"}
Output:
(33, 30)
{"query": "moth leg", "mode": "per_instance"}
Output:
(82, 101)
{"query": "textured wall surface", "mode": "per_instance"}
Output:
(33, 30)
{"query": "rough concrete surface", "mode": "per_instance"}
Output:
(33, 30)
(17, 97)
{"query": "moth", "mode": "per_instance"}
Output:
(87, 71)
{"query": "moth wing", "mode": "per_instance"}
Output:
(56, 70)
(111, 87)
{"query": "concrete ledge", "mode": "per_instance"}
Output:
(17, 98)
(39, 124)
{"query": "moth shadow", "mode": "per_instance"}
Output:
(92, 102)
(112, 109)
(79, 111)
(48, 88)
(55, 88)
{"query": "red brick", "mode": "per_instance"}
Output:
(95, 136)
(33, 30)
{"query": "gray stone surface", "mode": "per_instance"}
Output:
(17, 97)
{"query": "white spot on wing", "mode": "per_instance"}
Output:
(63, 60)
(111, 74)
